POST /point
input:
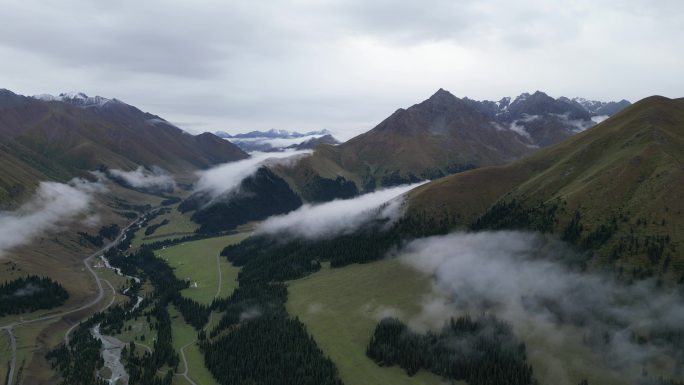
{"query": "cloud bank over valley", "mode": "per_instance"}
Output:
(143, 178)
(227, 177)
(339, 216)
(53, 204)
(524, 278)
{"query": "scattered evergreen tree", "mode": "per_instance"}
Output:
(480, 351)
(31, 293)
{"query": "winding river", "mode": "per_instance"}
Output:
(111, 353)
(112, 346)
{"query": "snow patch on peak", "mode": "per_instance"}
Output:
(592, 106)
(46, 97)
(84, 100)
(503, 104)
(522, 97)
(76, 98)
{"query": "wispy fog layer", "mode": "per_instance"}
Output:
(578, 124)
(155, 177)
(226, 177)
(53, 204)
(600, 118)
(276, 143)
(518, 276)
(339, 216)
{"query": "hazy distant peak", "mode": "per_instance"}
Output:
(272, 134)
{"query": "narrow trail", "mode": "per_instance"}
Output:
(100, 295)
(68, 332)
(184, 374)
(185, 363)
(218, 267)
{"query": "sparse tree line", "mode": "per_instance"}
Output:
(266, 259)
(121, 204)
(158, 245)
(30, 293)
(395, 178)
(106, 232)
(614, 238)
(481, 351)
(151, 229)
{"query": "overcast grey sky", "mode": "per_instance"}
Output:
(338, 64)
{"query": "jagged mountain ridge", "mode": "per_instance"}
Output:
(543, 120)
(279, 140)
(272, 134)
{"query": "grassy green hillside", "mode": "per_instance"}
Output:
(616, 189)
(58, 141)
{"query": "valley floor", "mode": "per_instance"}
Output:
(341, 307)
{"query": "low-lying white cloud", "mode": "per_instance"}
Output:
(52, 205)
(519, 129)
(154, 177)
(339, 216)
(519, 276)
(579, 125)
(276, 143)
(226, 177)
(599, 118)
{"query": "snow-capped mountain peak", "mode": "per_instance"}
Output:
(76, 98)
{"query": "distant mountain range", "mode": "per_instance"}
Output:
(272, 134)
(543, 120)
(445, 134)
(59, 137)
(278, 140)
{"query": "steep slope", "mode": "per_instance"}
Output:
(616, 189)
(61, 138)
(431, 138)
